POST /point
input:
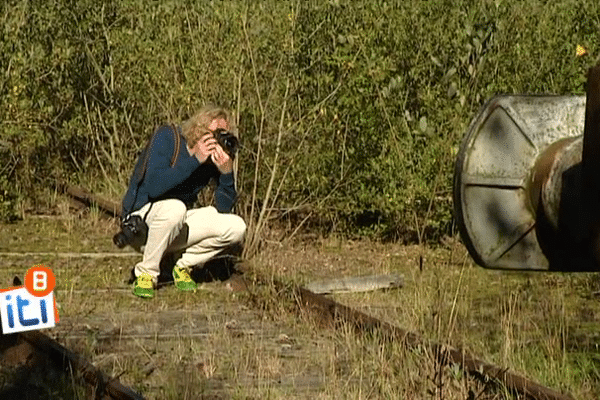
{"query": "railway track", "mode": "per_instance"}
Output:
(112, 327)
(113, 333)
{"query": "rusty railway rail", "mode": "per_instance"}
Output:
(65, 359)
(334, 313)
(84, 198)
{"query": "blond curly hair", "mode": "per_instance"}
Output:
(193, 129)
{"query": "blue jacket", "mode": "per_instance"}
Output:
(172, 173)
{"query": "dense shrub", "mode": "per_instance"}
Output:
(355, 106)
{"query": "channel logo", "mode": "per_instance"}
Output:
(31, 306)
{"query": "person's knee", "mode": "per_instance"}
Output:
(174, 211)
(167, 213)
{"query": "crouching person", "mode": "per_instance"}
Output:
(177, 163)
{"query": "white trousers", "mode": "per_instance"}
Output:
(200, 233)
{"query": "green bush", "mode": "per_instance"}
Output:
(367, 99)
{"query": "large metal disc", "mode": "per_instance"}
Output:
(494, 172)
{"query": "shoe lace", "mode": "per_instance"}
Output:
(145, 281)
(183, 275)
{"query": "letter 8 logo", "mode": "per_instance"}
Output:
(40, 281)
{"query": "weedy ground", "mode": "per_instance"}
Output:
(217, 344)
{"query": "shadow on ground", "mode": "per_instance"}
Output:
(220, 268)
(29, 374)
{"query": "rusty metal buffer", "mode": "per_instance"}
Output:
(527, 182)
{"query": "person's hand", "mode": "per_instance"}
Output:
(222, 160)
(204, 147)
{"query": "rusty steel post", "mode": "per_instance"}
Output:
(590, 163)
(566, 179)
(560, 224)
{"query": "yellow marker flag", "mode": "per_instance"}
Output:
(580, 51)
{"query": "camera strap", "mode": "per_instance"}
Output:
(147, 211)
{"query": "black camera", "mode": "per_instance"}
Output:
(131, 227)
(227, 140)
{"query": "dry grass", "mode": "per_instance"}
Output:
(215, 344)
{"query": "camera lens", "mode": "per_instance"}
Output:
(120, 239)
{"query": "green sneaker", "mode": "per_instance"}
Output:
(183, 281)
(143, 286)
